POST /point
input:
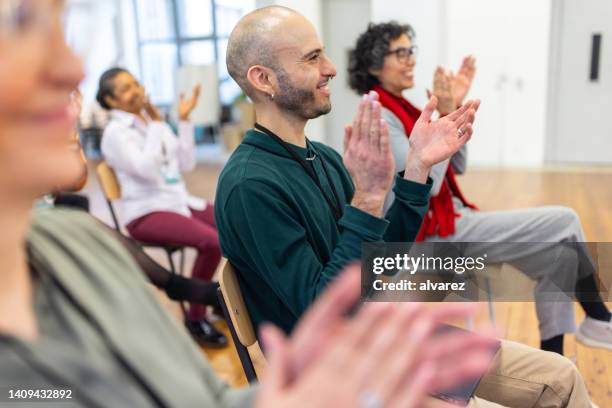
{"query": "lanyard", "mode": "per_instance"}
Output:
(334, 206)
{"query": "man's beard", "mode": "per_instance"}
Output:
(297, 100)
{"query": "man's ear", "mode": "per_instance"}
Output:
(374, 72)
(262, 79)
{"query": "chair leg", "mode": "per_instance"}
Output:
(171, 261)
(490, 301)
(243, 353)
(182, 262)
(114, 216)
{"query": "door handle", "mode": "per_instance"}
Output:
(595, 57)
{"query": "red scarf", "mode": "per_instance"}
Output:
(440, 217)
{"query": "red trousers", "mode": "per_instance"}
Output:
(198, 231)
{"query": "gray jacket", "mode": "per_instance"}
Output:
(400, 147)
(104, 282)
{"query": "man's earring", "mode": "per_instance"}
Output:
(271, 97)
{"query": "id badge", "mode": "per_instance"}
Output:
(171, 175)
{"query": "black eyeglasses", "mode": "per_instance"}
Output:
(403, 53)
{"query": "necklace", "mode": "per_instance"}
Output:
(335, 205)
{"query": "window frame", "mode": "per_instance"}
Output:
(179, 40)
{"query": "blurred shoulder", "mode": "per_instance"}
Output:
(75, 231)
(391, 118)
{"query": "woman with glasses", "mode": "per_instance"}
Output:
(383, 60)
(79, 325)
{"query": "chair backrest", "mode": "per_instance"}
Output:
(108, 182)
(236, 306)
(110, 187)
(240, 318)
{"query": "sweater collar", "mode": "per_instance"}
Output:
(387, 98)
(400, 107)
(128, 119)
(263, 141)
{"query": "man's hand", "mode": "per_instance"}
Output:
(368, 157)
(386, 353)
(434, 141)
(186, 106)
(443, 90)
(462, 81)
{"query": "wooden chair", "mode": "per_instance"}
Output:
(240, 325)
(241, 328)
(483, 280)
(112, 192)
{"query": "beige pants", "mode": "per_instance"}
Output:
(525, 377)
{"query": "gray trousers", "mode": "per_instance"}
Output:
(554, 224)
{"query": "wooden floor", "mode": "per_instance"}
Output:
(588, 191)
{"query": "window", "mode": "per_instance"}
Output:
(154, 20)
(173, 33)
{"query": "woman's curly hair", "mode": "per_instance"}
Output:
(369, 53)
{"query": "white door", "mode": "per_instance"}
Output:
(343, 21)
(580, 125)
(510, 40)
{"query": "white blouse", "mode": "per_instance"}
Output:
(149, 160)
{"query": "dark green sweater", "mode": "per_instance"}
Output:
(278, 231)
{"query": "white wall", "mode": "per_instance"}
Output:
(511, 41)
(426, 17)
(92, 30)
(579, 131)
(339, 40)
(128, 38)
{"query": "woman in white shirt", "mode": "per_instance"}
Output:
(149, 160)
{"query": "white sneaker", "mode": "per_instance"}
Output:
(595, 333)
